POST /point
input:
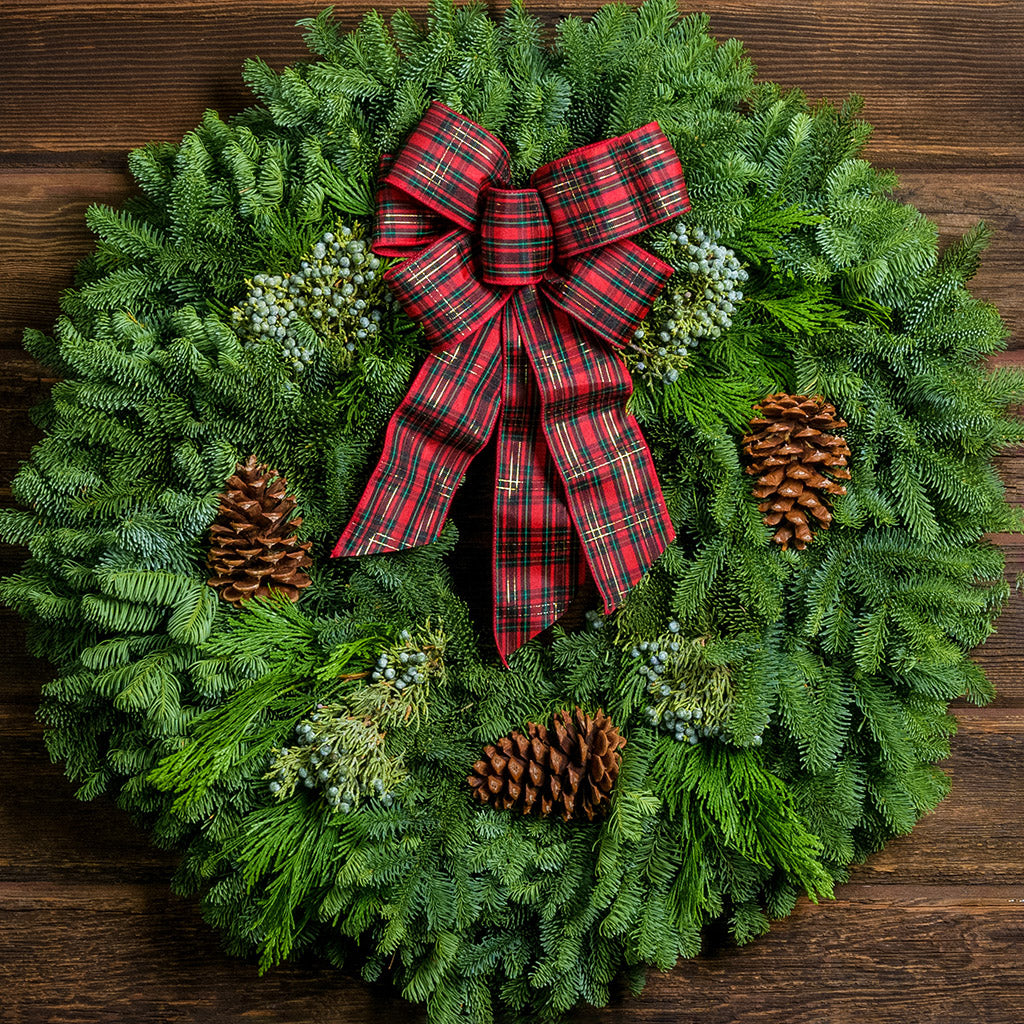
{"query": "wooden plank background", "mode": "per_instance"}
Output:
(929, 930)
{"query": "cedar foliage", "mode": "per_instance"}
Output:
(843, 657)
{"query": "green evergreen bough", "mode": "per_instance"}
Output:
(821, 677)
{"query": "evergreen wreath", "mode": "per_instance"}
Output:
(343, 763)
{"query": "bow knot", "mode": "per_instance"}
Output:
(524, 294)
(517, 242)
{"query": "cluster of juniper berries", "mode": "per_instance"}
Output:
(402, 667)
(688, 697)
(335, 299)
(698, 301)
(339, 755)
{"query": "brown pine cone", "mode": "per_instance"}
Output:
(569, 770)
(253, 546)
(797, 457)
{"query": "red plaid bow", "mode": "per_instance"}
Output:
(524, 293)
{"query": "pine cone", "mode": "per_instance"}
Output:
(570, 772)
(253, 547)
(794, 452)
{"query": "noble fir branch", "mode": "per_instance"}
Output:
(963, 258)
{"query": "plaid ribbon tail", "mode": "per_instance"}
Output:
(431, 439)
(605, 468)
(537, 557)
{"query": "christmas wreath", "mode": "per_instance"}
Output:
(736, 395)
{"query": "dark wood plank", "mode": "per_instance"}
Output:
(43, 234)
(946, 954)
(1012, 475)
(933, 72)
(131, 72)
(23, 384)
(135, 954)
(1002, 655)
(956, 201)
(973, 837)
(879, 954)
(935, 85)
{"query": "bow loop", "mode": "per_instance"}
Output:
(516, 240)
(610, 290)
(446, 162)
(439, 289)
(403, 226)
(611, 190)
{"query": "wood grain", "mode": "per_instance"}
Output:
(929, 929)
(143, 956)
(935, 75)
